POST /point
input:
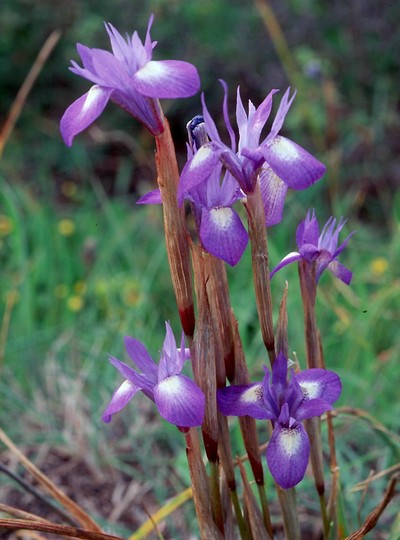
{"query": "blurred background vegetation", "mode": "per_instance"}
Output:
(82, 266)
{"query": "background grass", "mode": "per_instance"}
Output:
(82, 266)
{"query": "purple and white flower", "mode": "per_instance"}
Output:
(178, 399)
(278, 162)
(321, 249)
(130, 78)
(286, 403)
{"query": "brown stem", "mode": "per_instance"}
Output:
(259, 257)
(176, 237)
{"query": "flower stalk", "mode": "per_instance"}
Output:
(261, 275)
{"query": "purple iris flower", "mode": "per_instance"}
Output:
(178, 399)
(221, 230)
(286, 403)
(129, 77)
(278, 162)
(319, 248)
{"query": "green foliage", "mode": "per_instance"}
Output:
(82, 266)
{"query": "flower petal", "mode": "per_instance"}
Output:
(287, 454)
(120, 398)
(180, 401)
(294, 165)
(290, 257)
(273, 193)
(167, 79)
(319, 383)
(153, 197)
(242, 400)
(141, 357)
(83, 112)
(340, 271)
(139, 379)
(222, 234)
(198, 169)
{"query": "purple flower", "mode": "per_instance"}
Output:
(286, 403)
(178, 399)
(321, 249)
(129, 77)
(220, 228)
(278, 162)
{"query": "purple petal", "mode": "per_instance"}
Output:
(222, 234)
(242, 400)
(319, 383)
(180, 401)
(291, 257)
(140, 380)
(171, 362)
(153, 197)
(259, 119)
(283, 109)
(312, 407)
(273, 192)
(167, 79)
(279, 372)
(294, 165)
(120, 398)
(287, 454)
(308, 230)
(83, 112)
(198, 169)
(140, 357)
(340, 271)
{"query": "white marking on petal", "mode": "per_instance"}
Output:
(221, 217)
(252, 395)
(310, 389)
(285, 149)
(290, 441)
(151, 71)
(200, 156)
(92, 97)
(171, 385)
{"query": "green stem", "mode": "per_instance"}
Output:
(216, 505)
(265, 510)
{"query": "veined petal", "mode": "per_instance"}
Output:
(311, 408)
(120, 398)
(222, 234)
(141, 357)
(319, 383)
(340, 271)
(153, 197)
(167, 79)
(242, 400)
(273, 193)
(290, 257)
(287, 454)
(83, 112)
(294, 165)
(180, 401)
(198, 169)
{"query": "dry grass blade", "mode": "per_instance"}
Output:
(373, 517)
(20, 514)
(360, 413)
(26, 87)
(81, 516)
(365, 483)
(61, 530)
